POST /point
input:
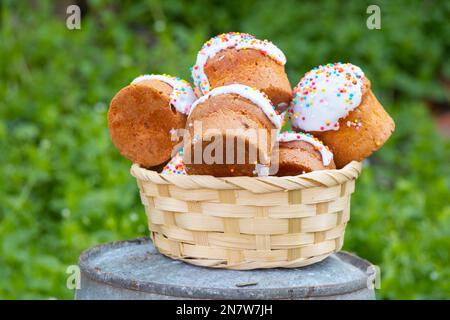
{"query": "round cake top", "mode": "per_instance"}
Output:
(175, 165)
(318, 145)
(182, 95)
(228, 40)
(257, 97)
(324, 95)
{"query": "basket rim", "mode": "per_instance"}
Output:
(320, 178)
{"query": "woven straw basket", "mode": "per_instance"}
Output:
(248, 222)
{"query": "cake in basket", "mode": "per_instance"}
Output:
(222, 183)
(241, 58)
(335, 103)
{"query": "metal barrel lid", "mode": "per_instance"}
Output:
(135, 265)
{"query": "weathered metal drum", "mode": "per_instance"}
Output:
(135, 270)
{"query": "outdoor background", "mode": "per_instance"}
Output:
(64, 188)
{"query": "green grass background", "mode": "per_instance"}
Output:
(64, 188)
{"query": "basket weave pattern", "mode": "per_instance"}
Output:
(248, 222)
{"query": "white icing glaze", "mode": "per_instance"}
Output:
(261, 170)
(225, 41)
(182, 95)
(324, 95)
(175, 165)
(283, 118)
(252, 94)
(288, 136)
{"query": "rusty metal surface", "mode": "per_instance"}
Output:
(135, 270)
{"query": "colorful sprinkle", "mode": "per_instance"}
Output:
(324, 95)
(357, 124)
(175, 165)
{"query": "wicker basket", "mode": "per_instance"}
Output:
(248, 223)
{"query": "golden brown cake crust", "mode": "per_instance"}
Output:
(140, 119)
(297, 157)
(252, 68)
(222, 112)
(362, 132)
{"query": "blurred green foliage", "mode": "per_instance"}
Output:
(65, 188)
